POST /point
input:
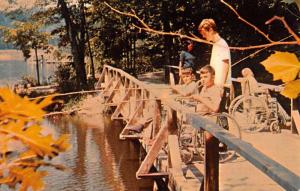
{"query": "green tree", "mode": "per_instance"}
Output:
(67, 21)
(75, 27)
(26, 36)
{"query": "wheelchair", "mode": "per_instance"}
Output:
(192, 141)
(258, 112)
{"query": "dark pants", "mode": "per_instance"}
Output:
(225, 102)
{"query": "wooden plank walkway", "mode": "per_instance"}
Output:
(239, 174)
(145, 103)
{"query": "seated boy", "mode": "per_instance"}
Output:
(209, 97)
(189, 86)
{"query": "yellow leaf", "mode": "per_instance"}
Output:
(284, 66)
(5, 180)
(47, 101)
(27, 155)
(291, 89)
(41, 145)
(30, 178)
(21, 133)
(62, 143)
(15, 107)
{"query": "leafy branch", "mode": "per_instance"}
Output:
(247, 22)
(285, 66)
(23, 145)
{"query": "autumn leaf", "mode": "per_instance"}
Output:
(29, 178)
(291, 89)
(23, 144)
(284, 66)
(62, 143)
(15, 107)
(26, 155)
(41, 145)
(47, 101)
(6, 180)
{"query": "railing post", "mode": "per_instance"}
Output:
(106, 78)
(101, 78)
(172, 121)
(166, 76)
(211, 168)
(156, 117)
(294, 111)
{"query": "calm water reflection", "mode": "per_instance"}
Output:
(98, 160)
(13, 68)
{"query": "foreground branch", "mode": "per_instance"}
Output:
(145, 27)
(286, 26)
(247, 22)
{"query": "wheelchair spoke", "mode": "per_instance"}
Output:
(225, 153)
(251, 113)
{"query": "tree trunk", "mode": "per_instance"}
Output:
(92, 68)
(165, 17)
(37, 66)
(77, 41)
(134, 52)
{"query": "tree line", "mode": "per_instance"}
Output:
(91, 30)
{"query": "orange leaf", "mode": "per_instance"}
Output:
(291, 89)
(284, 66)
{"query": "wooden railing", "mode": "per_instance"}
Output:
(135, 100)
(281, 175)
(295, 107)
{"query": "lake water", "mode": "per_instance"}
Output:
(97, 160)
(13, 68)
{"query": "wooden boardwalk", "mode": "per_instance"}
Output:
(239, 174)
(151, 107)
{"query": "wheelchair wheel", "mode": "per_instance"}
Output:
(274, 127)
(199, 144)
(251, 113)
(284, 118)
(233, 102)
(185, 139)
(225, 152)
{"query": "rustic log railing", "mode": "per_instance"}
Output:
(143, 106)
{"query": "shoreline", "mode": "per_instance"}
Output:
(90, 110)
(11, 54)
